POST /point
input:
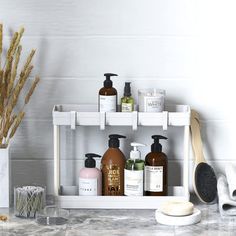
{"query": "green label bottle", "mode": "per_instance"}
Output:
(134, 169)
(127, 102)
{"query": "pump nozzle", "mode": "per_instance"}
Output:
(156, 146)
(135, 154)
(127, 89)
(108, 83)
(90, 162)
(89, 155)
(114, 140)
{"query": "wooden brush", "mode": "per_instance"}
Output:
(204, 178)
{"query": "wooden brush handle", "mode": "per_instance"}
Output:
(196, 137)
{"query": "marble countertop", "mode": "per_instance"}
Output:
(121, 222)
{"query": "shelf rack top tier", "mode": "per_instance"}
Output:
(87, 115)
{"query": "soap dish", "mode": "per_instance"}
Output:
(52, 215)
(178, 220)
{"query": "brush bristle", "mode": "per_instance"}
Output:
(206, 182)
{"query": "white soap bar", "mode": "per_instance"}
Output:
(177, 208)
(178, 220)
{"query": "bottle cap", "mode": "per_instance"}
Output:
(90, 162)
(114, 141)
(135, 153)
(127, 89)
(107, 82)
(156, 146)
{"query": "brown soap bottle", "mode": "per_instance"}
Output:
(107, 98)
(156, 170)
(112, 167)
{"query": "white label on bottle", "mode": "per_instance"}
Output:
(126, 107)
(154, 104)
(134, 182)
(107, 103)
(153, 178)
(87, 187)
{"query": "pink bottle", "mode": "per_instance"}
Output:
(90, 177)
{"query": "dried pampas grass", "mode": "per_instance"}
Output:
(11, 85)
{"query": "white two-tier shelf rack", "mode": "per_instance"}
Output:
(87, 115)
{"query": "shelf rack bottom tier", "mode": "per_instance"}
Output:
(122, 202)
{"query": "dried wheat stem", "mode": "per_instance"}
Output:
(19, 84)
(1, 36)
(8, 110)
(18, 88)
(8, 125)
(4, 123)
(14, 71)
(12, 44)
(27, 97)
(8, 68)
(1, 81)
(1, 95)
(18, 120)
(7, 75)
(10, 87)
(1, 92)
(1, 77)
(25, 76)
(17, 42)
(29, 59)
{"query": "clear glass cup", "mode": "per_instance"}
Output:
(52, 215)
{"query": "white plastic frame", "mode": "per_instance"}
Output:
(86, 115)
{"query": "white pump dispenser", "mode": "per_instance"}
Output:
(135, 153)
(134, 169)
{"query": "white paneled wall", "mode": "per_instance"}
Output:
(186, 47)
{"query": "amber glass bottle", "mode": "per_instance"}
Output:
(156, 170)
(107, 98)
(112, 167)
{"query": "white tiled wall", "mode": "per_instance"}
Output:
(186, 47)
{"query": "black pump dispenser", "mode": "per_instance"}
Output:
(114, 141)
(156, 146)
(90, 162)
(127, 89)
(108, 83)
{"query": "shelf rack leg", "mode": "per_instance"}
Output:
(56, 137)
(186, 160)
